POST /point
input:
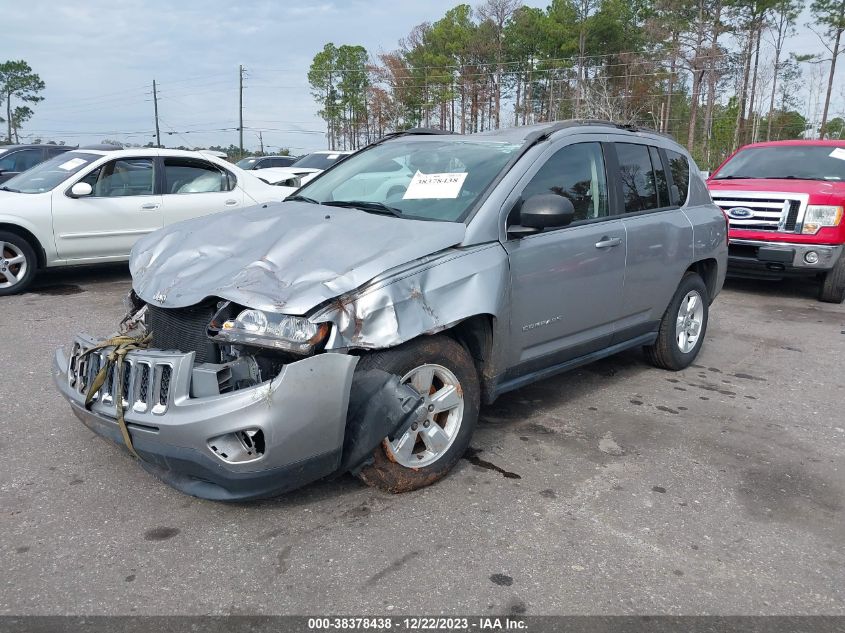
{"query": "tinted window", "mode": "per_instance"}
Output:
(20, 160)
(123, 177)
(659, 178)
(282, 161)
(575, 172)
(318, 161)
(639, 190)
(679, 166)
(188, 175)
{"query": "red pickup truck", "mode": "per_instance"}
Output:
(784, 203)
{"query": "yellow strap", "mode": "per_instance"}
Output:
(122, 346)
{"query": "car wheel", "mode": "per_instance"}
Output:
(682, 327)
(833, 284)
(18, 263)
(444, 373)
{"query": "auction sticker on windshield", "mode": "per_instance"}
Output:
(424, 186)
(73, 163)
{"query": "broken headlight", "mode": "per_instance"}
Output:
(268, 329)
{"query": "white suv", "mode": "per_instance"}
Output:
(90, 206)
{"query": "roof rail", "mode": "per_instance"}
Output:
(562, 125)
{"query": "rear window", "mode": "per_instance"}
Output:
(639, 190)
(789, 162)
(679, 166)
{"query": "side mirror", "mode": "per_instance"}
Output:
(541, 212)
(80, 190)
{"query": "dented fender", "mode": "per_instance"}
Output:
(427, 298)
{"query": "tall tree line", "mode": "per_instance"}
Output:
(715, 74)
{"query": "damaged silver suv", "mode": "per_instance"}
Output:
(359, 325)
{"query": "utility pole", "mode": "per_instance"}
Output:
(261, 142)
(155, 105)
(241, 107)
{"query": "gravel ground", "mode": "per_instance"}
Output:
(614, 489)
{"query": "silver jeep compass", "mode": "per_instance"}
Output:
(359, 325)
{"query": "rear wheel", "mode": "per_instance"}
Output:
(682, 327)
(442, 371)
(18, 263)
(833, 284)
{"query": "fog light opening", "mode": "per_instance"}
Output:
(811, 257)
(239, 446)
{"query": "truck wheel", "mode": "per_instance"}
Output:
(833, 284)
(18, 263)
(443, 372)
(682, 327)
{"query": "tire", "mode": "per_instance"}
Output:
(447, 362)
(670, 350)
(833, 284)
(18, 263)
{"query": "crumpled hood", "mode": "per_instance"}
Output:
(287, 257)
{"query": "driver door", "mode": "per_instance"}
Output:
(566, 283)
(122, 207)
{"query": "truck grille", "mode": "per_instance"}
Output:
(146, 384)
(183, 329)
(762, 211)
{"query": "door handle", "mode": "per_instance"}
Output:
(230, 203)
(149, 206)
(608, 242)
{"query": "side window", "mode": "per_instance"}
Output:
(639, 190)
(191, 175)
(679, 166)
(20, 160)
(575, 172)
(123, 177)
(660, 180)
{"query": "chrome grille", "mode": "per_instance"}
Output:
(146, 384)
(766, 211)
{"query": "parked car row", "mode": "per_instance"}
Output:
(359, 325)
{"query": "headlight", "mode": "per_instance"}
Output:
(820, 215)
(267, 329)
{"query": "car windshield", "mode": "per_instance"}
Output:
(799, 162)
(51, 173)
(318, 161)
(427, 178)
(246, 163)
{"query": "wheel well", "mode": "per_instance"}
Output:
(29, 237)
(707, 269)
(476, 335)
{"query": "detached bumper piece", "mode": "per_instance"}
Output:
(250, 443)
(761, 259)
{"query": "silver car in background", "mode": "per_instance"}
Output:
(360, 325)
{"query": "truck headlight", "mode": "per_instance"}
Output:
(268, 329)
(820, 215)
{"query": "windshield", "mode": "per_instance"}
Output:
(414, 177)
(801, 162)
(246, 163)
(51, 173)
(318, 161)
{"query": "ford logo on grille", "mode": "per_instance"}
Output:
(740, 213)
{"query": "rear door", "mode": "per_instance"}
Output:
(123, 207)
(659, 237)
(195, 187)
(566, 283)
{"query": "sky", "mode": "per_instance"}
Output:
(98, 60)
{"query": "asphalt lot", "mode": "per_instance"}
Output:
(616, 489)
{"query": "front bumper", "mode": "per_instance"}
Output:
(301, 414)
(759, 258)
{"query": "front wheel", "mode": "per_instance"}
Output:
(833, 284)
(17, 263)
(443, 372)
(682, 327)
